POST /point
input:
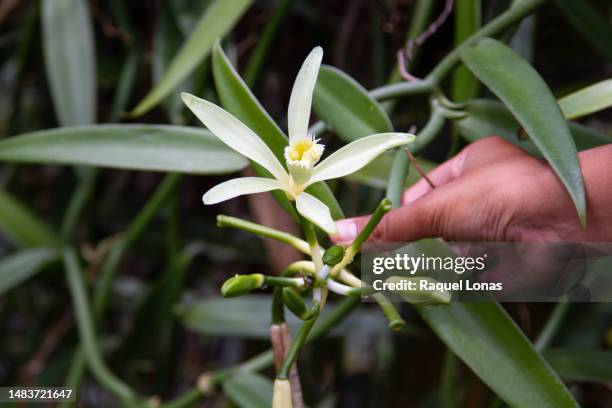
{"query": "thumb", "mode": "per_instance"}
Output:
(413, 221)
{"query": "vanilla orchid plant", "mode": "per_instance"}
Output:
(302, 168)
(302, 153)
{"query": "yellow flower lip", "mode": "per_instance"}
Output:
(300, 148)
(301, 156)
(306, 150)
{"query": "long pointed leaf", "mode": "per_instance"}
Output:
(22, 226)
(346, 107)
(490, 343)
(218, 19)
(580, 364)
(135, 147)
(530, 100)
(486, 117)
(68, 45)
(587, 100)
(18, 267)
(591, 24)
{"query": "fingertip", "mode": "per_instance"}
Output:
(347, 231)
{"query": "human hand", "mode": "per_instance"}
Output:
(494, 191)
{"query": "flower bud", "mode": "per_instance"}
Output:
(295, 303)
(333, 255)
(282, 394)
(241, 284)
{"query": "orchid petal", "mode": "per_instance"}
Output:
(239, 186)
(316, 212)
(301, 95)
(357, 154)
(235, 134)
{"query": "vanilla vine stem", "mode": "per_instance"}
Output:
(297, 345)
(368, 229)
(432, 81)
(111, 262)
(224, 221)
(87, 332)
(265, 359)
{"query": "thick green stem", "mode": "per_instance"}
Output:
(294, 351)
(553, 323)
(435, 77)
(87, 332)
(399, 172)
(395, 320)
(366, 231)
(313, 243)
(508, 18)
(278, 307)
(265, 359)
(109, 268)
(134, 230)
(224, 221)
(383, 208)
(432, 128)
(282, 281)
(80, 197)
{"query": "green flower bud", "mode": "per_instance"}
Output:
(333, 255)
(295, 303)
(241, 284)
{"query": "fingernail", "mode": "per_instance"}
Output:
(347, 230)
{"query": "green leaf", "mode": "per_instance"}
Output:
(249, 316)
(167, 40)
(134, 147)
(578, 364)
(490, 343)
(486, 117)
(588, 100)
(523, 39)
(22, 226)
(19, 267)
(527, 96)
(484, 336)
(238, 99)
(69, 51)
(218, 20)
(590, 23)
(417, 297)
(249, 390)
(346, 107)
(467, 22)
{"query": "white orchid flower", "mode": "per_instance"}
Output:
(301, 155)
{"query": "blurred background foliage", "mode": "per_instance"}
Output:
(164, 323)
